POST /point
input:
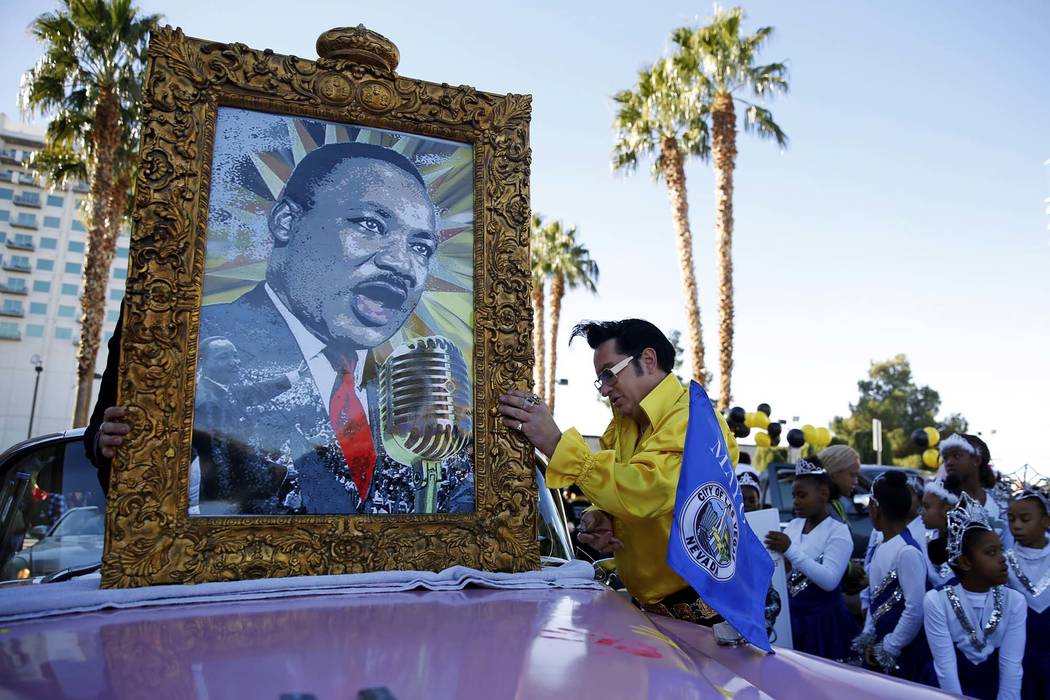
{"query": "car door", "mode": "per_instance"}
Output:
(43, 480)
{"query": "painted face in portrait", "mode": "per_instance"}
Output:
(356, 259)
(221, 362)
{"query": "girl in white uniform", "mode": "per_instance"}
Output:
(976, 627)
(968, 458)
(893, 639)
(818, 548)
(939, 497)
(1029, 571)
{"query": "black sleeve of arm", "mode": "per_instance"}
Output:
(107, 396)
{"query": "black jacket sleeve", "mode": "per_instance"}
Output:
(107, 396)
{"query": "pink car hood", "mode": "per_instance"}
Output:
(474, 643)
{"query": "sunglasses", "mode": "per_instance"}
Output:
(608, 375)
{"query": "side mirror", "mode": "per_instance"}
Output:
(39, 532)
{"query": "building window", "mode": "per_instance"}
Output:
(120, 273)
(19, 263)
(29, 199)
(4, 215)
(67, 311)
(16, 285)
(41, 286)
(116, 294)
(6, 193)
(45, 264)
(38, 308)
(70, 290)
(25, 219)
(34, 331)
(13, 307)
(21, 240)
(64, 333)
(122, 252)
(76, 246)
(9, 331)
(73, 268)
(48, 244)
(53, 200)
(78, 225)
(52, 222)
(112, 316)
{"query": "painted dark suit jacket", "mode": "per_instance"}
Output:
(291, 433)
(290, 428)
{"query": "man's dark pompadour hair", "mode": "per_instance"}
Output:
(318, 163)
(632, 335)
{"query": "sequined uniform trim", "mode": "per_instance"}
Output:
(1034, 591)
(964, 621)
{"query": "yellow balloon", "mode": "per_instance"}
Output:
(931, 458)
(749, 419)
(934, 436)
(823, 437)
(810, 434)
(761, 420)
(762, 439)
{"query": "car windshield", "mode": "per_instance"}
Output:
(52, 511)
(79, 521)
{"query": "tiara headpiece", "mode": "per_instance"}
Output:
(748, 479)
(957, 440)
(804, 468)
(917, 484)
(938, 489)
(1037, 491)
(968, 515)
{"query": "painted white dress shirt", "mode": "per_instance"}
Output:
(1035, 565)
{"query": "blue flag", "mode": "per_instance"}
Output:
(712, 546)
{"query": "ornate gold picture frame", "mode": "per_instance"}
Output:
(220, 211)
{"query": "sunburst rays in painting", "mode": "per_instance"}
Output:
(239, 243)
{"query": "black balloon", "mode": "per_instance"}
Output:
(796, 438)
(774, 429)
(764, 408)
(774, 440)
(741, 431)
(920, 438)
(736, 416)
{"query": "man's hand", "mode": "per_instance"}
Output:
(596, 531)
(777, 541)
(529, 416)
(111, 432)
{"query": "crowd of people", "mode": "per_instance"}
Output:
(955, 581)
(956, 571)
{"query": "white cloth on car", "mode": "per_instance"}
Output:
(84, 595)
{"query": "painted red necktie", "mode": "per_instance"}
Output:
(351, 428)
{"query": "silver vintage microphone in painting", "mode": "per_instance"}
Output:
(425, 400)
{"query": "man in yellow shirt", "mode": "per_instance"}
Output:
(631, 482)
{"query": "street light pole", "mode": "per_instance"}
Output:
(38, 365)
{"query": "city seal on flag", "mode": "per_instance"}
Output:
(709, 531)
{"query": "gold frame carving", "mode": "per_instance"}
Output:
(150, 538)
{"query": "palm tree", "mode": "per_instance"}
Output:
(661, 118)
(89, 81)
(571, 267)
(721, 65)
(539, 259)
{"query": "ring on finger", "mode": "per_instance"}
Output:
(519, 426)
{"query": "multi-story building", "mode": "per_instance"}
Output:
(42, 240)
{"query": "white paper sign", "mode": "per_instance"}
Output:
(761, 522)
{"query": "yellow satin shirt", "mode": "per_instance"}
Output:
(634, 478)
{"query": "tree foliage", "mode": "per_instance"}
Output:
(890, 393)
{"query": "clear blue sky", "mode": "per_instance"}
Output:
(907, 215)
